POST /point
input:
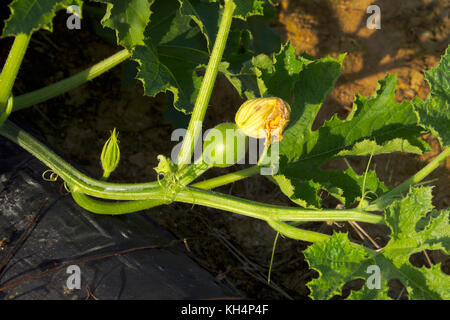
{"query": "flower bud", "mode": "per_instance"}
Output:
(110, 154)
(263, 117)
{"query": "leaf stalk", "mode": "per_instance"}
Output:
(204, 95)
(60, 87)
(11, 67)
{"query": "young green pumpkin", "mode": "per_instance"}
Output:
(224, 145)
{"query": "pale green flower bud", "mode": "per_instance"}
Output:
(110, 154)
(263, 117)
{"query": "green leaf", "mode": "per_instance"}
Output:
(246, 8)
(128, 18)
(435, 234)
(345, 186)
(434, 112)
(337, 261)
(436, 284)
(370, 147)
(378, 118)
(370, 294)
(302, 192)
(373, 187)
(404, 216)
(314, 84)
(253, 29)
(280, 75)
(263, 39)
(376, 125)
(177, 44)
(413, 229)
(163, 69)
(255, 36)
(439, 77)
(28, 16)
(270, 76)
(224, 68)
(248, 77)
(248, 39)
(205, 15)
(176, 49)
(172, 53)
(93, 16)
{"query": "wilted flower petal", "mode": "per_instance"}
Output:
(263, 117)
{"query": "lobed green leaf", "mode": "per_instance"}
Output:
(376, 125)
(205, 15)
(171, 54)
(176, 49)
(128, 18)
(28, 16)
(246, 8)
(414, 227)
(337, 261)
(405, 215)
(434, 112)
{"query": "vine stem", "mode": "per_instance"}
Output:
(204, 95)
(227, 178)
(156, 190)
(266, 211)
(306, 235)
(101, 207)
(386, 199)
(73, 176)
(253, 209)
(60, 87)
(117, 208)
(296, 233)
(11, 67)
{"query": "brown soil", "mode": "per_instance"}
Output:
(237, 249)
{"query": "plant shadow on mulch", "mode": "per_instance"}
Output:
(233, 247)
